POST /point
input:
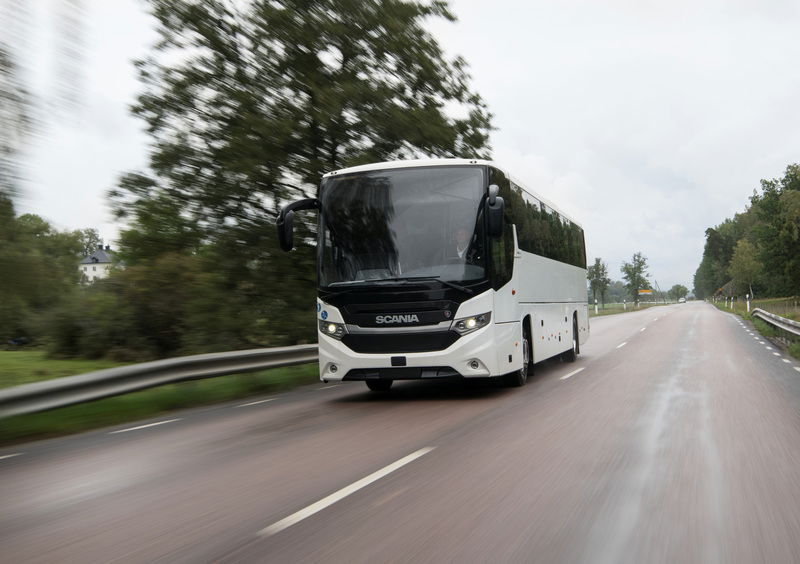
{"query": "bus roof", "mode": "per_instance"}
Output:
(411, 163)
(414, 163)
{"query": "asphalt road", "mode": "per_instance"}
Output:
(677, 441)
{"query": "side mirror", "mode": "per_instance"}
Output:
(495, 210)
(285, 222)
(285, 225)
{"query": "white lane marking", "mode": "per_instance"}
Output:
(622, 345)
(573, 373)
(642, 329)
(655, 319)
(796, 368)
(786, 360)
(10, 455)
(341, 494)
(143, 426)
(329, 387)
(256, 402)
(769, 348)
(777, 354)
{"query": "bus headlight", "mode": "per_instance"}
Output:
(335, 330)
(469, 324)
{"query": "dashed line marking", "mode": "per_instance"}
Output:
(777, 354)
(573, 373)
(329, 387)
(256, 402)
(769, 348)
(143, 426)
(642, 329)
(341, 494)
(10, 455)
(622, 345)
(786, 360)
(796, 368)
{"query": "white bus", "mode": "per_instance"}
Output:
(443, 268)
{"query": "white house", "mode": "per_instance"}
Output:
(97, 265)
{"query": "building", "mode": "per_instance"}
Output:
(97, 265)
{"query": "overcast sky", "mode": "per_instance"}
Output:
(646, 121)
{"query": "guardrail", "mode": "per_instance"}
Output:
(61, 392)
(788, 325)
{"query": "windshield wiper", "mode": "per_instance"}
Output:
(430, 279)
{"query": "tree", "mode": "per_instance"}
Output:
(268, 96)
(635, 275)
(15, 124)
(88, 239)
(678, 291)
(744, 268)
(598, 279)
(249, 103)
(40, 269)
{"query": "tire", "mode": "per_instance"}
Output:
(379, 385)
(518, 378)
(572, 354)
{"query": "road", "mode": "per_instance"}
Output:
(677, 441)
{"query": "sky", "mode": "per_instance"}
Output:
(647, 122)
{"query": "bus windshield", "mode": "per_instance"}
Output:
(403, 224)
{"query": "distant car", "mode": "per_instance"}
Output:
(681, 300)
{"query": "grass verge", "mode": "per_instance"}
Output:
(26, 366)
(144, 404)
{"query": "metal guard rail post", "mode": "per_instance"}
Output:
(787, 325)
(69, 390)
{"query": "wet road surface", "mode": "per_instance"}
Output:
(675, 437)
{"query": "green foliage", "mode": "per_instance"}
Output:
(599, 281)
(635, 275)
(744, 267)
(768, 262)
(40, 271)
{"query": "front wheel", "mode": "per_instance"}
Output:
(519, 377)
(379, 385)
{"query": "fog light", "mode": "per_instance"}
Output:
(333, 369)
(474, 364)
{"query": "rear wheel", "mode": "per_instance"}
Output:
(379, 385)
(519, 377)
(572, 354)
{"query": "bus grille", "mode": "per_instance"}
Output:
(400, 342)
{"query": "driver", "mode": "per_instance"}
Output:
(462, 242)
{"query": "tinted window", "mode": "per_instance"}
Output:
(540, 229)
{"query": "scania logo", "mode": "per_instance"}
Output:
(396, 319)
